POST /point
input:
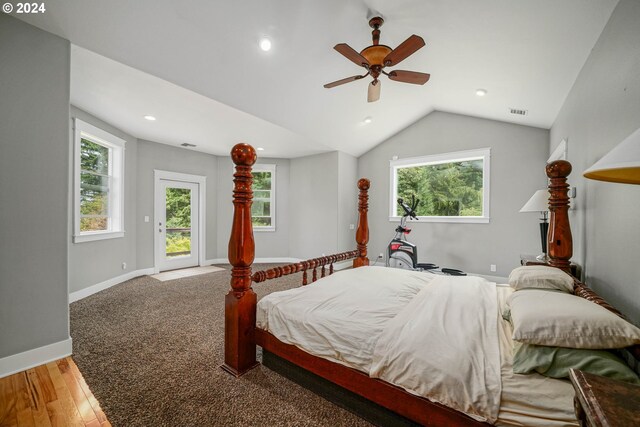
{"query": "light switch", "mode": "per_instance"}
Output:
(146, 218)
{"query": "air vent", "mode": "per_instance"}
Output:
(186, 144)
(518, 111)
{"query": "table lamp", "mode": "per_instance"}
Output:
(539, 202)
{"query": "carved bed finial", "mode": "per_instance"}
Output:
(362, 233)
(240, 302)
(559, 240)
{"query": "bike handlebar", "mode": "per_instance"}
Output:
(410, 210)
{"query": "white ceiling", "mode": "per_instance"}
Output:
(214, 87)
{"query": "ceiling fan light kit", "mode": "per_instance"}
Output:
(376, 57)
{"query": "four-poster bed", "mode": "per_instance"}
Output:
(242, 335)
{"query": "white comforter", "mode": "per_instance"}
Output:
(341, 316)
(406, 327)
(444, 346)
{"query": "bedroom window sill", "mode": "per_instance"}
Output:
(462, 220)
(97, 236)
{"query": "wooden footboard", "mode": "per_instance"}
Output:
(394, 398)
(303, 266)
(240, 302)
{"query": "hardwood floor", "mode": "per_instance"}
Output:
(49, 395)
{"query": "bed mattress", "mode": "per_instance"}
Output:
(342, 317)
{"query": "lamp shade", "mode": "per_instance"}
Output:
(539, 202)
(622, 164)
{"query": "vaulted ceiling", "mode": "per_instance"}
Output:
(198, 68)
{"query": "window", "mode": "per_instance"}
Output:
(98, 184)
(263, 210)
(452, 187)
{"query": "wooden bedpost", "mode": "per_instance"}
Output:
(559, 241)
(240, 302)
(362, 233)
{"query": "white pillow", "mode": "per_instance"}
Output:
(540, 277)
(559, 319)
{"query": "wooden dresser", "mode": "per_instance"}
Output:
(601, 401)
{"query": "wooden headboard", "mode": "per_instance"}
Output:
(560, 244)
(559, 240)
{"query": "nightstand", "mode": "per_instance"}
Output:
(576, 271)
(601, 401)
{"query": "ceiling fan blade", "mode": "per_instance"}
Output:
(373, 94)
(352, 55)
(406, 48)
(343, 81)
(409, 77)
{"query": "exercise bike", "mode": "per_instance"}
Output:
(401, 253)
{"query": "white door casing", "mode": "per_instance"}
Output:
(195, 185)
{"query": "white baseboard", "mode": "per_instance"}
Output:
(38, 356)
(83, 293)
(255, 261)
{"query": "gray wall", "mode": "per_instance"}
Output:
(518, 155)
(269, 244)
(347, 201)
(34, 191)
(94, 262)
(152, 156)
(314, 199)
(602, 109)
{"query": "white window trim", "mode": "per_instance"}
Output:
(268, 168)
(484, 153)
(84, 129)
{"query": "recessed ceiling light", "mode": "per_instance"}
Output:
(368, 119)
(481, 92)
(265, 44)
(150, 118)
(260, 149)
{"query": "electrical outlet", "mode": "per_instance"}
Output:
(124, 265)
(493, 268)
(352, 227)
(381, 255)
(146, 218)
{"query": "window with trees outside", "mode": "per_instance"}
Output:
(263, 210)
(452, 187)
(98, 184)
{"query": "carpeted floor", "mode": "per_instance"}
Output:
(150, 351)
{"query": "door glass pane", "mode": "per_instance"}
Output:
(178, 226)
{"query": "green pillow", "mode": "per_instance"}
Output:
(555, 362)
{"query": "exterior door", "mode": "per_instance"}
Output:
(177, 224)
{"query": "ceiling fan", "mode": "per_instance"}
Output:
(376, 57)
